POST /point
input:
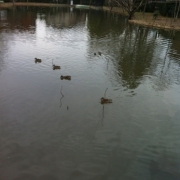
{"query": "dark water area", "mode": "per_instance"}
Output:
(53, 129)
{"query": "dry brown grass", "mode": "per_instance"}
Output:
(147, 19)
(162, 22)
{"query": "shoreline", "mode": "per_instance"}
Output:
(145, 19)
(10, 5)
(157, 26)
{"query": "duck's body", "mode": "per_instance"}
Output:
(99, 53)
(105, 101)
(65, 77)
(56, 67)
(38, 60)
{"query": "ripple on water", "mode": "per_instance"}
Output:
(25, 175)
(135, 137)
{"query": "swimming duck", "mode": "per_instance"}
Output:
(38, 60)
(99, 53)
(56, 67)
(65, 77)
(105, 101)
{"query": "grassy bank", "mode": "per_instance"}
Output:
(147, 19)
(161, 21)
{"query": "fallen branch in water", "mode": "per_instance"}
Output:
(61, 97)
(105, 92)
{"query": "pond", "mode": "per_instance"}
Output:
(52, 128)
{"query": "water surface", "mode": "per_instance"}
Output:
(57, 129)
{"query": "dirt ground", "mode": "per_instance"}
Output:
(145, 19)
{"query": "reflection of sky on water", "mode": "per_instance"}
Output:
(118, 47)
(61, 39)
(40, 28)
(3, 15)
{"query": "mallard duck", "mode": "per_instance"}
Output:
(105, 101)
(38, 60)
(99, 53)
(56, 67)
(66, 77)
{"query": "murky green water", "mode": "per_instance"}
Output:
(53, 129)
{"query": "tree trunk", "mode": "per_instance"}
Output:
(130, 15)
(177, 11)
(145, 7)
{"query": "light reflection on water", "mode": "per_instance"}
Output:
(54, 129)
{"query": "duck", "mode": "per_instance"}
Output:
(65, 77)
(56, 67)
(105, 101)
(38, 60)
(95, 54)
(99, 53)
